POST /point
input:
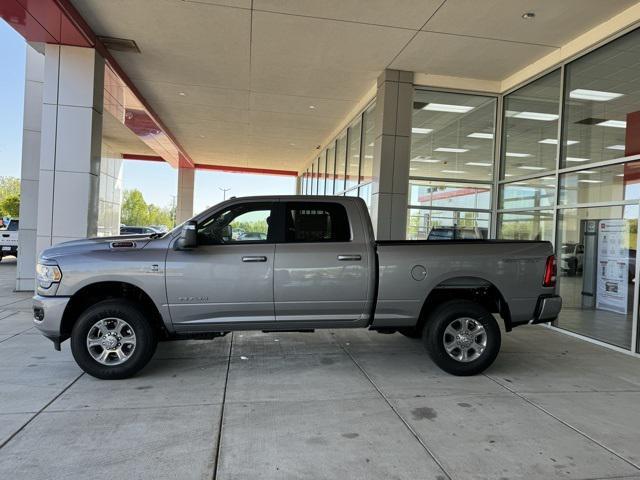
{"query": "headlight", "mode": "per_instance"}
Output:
(46, 275)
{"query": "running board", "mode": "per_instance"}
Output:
(302, 330)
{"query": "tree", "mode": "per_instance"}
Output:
(136, 211)
(10, 206)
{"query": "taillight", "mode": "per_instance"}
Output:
(550, 272)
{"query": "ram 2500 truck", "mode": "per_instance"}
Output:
(317, 265)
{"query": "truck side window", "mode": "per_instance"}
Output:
(316, 222)
(250, 222)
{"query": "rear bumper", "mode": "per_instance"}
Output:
(547, 310)
(47, 316)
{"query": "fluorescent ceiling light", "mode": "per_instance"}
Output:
(480, 135)
(451, 149)
(620, 175)
(593, 95)
(519, 183)
(479, 164)
(443, 107)
(508, 175)
(615, 147)
(554, 141)
(577, 159)
(422, 131)
(412, 168)
(589, 181)
(530, 167)
(510, 113)
(548, 178)
(517, 155)
(588, 172)
(425, 160)
(544, 117)
(613, 123)
(453, 171)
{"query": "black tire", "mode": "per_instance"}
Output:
(410, 332)
(146, 339)
(444, 316)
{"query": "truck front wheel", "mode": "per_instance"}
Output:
(462, 337)
(113, 340)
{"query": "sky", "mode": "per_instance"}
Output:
(157, 181)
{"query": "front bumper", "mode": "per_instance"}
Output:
(548, 309)
(47, 316)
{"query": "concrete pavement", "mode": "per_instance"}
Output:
(326, 405)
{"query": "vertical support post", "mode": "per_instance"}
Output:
(184, 206)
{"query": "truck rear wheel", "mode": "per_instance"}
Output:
(462, 337)
(113, 340)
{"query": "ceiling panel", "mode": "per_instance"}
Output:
(555, 23)
(409, 14)
(458, 56)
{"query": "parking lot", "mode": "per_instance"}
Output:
(330, 404)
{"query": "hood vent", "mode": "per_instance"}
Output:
(123, 244)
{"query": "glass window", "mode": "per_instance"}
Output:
(331, 167)
(431, 224)
(316, 222)
(602, 101)
(364, 192)
(610, 183)
(314, 183)
(431, 193)
(322, 176)
(452, 136)
(341, 162)
(353, 155)
(532, 193)
(536, 225)
(249, 222)
(304, 183)
(531, 127)
(596, 266)
(368, 143)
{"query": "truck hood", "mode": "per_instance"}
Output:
(123, 242)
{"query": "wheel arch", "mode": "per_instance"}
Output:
(99, 291)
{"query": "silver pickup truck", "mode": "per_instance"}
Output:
(289, 263)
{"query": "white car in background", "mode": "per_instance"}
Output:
(9, 239)
(571, 258)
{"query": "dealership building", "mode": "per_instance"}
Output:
(450, 119)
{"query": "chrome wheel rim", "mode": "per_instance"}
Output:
(465, 339)
(111, 341)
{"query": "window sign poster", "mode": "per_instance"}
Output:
(613, 266)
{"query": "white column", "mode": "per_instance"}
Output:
(391, 155)
(184, 206)
(30, 169)
(110, 191)
(70, 146)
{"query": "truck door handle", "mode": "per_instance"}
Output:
(349, 258)
(257, 258)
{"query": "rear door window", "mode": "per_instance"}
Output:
(316, 222)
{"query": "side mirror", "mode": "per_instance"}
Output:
(188, 237)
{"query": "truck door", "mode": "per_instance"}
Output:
(321, 270)
(228, 278)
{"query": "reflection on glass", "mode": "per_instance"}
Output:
(313, 176)
(432, 224)
(368, 132)
(322, 172)
(532, 193)
(536, 225)
(364, 192)
(596, 266)
(431, 193)
(353, 154)
(602, 103)
(610, 183)
(305, 184)
(341, 162)
(531, 127)
(452, 136)
(331, 166)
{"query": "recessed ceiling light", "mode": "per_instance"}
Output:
(182, 94)
(544, 117)
(443, 107)
(451, 150)
(593, 95)
(554, 141)
(423, 131)
(584, 180)
(480, 135)
(577, 159)
(529, 15)
(292, 144)
(312, 107)
(479, 164)
(453, 171)
(615, 147)
(531, 167)
(613, 123)
(518, 155)
(201, 136)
